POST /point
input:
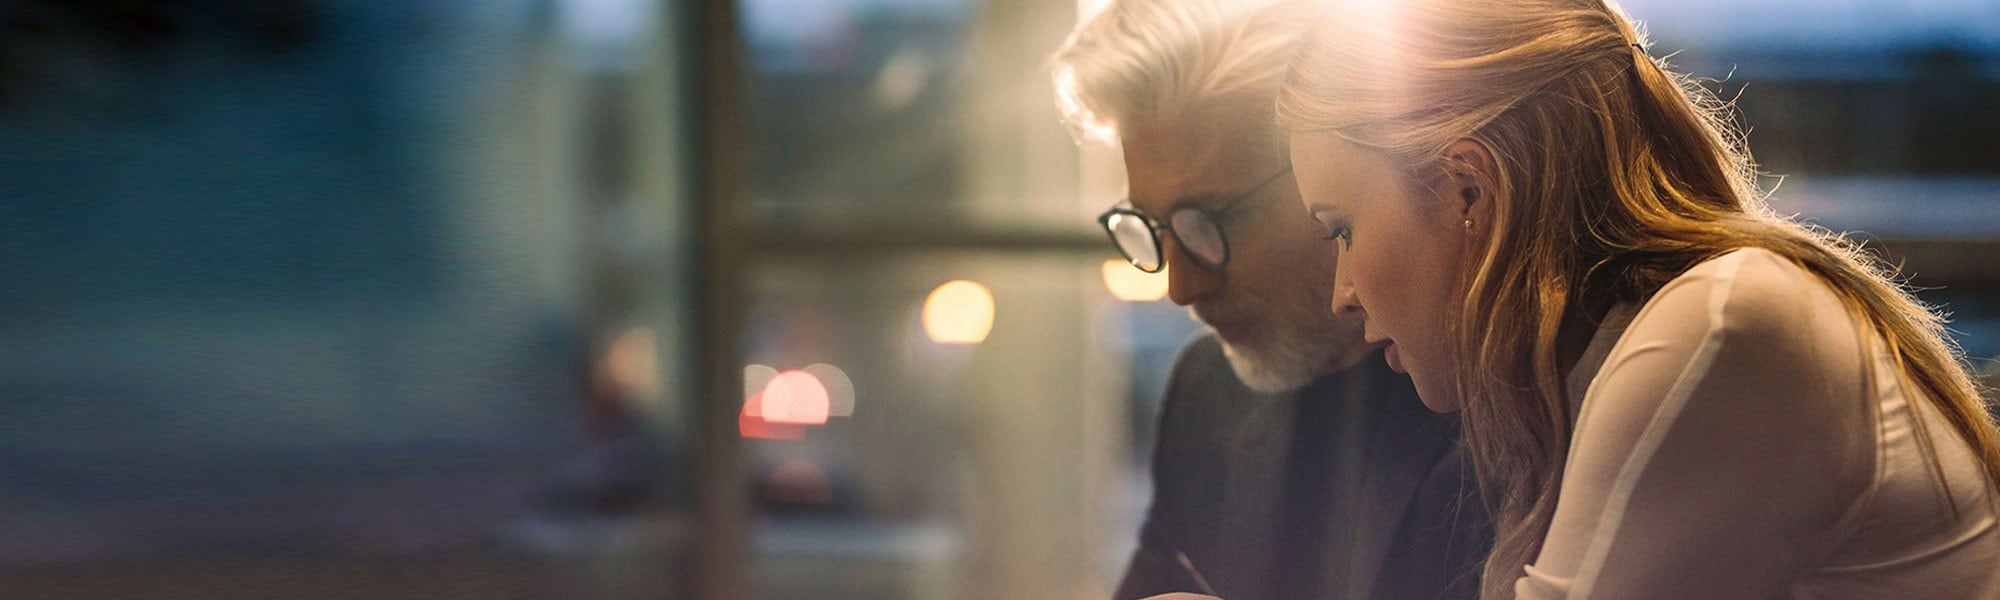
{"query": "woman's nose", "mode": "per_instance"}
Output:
(1345, 301)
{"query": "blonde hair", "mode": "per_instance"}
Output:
(1613, 175)
(1137, 60)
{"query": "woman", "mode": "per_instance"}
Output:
(1667, 390)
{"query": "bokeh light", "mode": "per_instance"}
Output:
(755, 377)
(633, 361)
(758, 382)
(958, 312)
(752, 426)
(839, 389)
(1133, 285)
(795, 398)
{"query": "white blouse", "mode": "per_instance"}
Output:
(1748, 437)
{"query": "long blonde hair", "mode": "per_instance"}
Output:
(1614, 175)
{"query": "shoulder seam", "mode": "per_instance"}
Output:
(1655, 434)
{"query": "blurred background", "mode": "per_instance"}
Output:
(691, 298)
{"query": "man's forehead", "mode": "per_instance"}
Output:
(1196, 155)
(1195, 132)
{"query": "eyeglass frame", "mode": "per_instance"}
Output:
(1215, 216)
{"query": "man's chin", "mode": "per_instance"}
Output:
(1268, 371)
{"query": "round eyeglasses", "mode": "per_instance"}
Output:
(1197, 230)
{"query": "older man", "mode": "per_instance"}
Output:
(1290, 461)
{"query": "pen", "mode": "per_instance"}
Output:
(1188, 565)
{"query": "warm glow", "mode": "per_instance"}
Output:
(1085, 9)
(1087, 124)
(633, 361)
(756, 427)
(795, 398)
(959, 312)
(758, 381)
(1130, 284)
(839, 389)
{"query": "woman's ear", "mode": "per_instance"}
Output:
(1469, 175)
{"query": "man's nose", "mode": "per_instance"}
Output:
(1187, 282)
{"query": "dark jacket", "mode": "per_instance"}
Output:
(1348, 488)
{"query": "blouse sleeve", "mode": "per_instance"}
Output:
(1720, 446)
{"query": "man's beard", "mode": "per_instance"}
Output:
(1284, 355)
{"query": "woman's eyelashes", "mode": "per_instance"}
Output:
(1336, 227)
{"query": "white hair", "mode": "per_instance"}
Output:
(1136, 60)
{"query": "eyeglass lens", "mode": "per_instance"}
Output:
(1135, 240)
(1198, 236)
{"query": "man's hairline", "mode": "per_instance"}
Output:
(1225, 101)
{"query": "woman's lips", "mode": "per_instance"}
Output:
(1395, 362)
